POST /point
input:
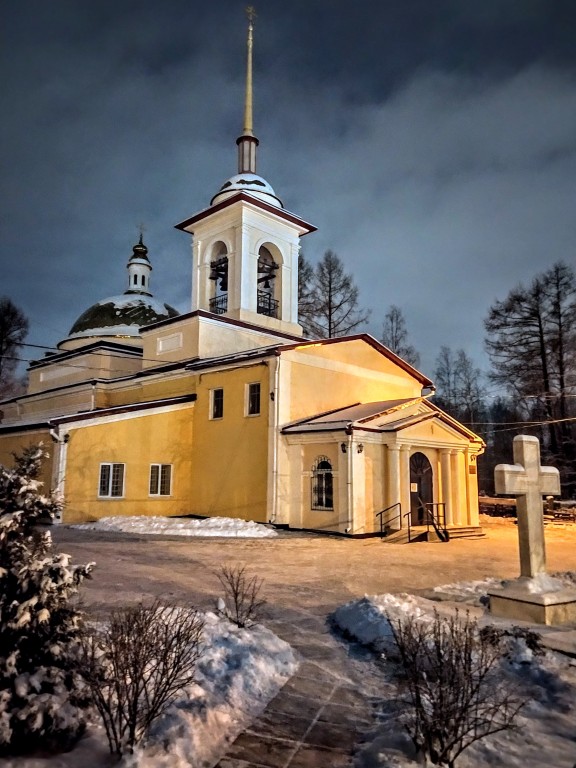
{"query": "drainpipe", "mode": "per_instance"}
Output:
(275, 439)
(349, 481)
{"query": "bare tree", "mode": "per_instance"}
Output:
(13, 330)
(531, 342)
(241, 603)
(137, 665)
(460, 386)
(455, 694)
(306, 300)
(395, 336)
(335, 309)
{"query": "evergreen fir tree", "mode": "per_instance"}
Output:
(42, 696)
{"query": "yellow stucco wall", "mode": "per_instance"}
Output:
(335, 375)
(163, 438)
(153, 388)
(219, 466)
(231, 453)
(15, 443)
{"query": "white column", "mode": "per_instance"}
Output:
(247, 263)
(199, 289)
(459, 516)
(446, 474)
(405, 480)
(393, 494)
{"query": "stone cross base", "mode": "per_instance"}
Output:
(516, 603)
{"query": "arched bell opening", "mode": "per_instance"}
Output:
(268, 283)
(219, 279)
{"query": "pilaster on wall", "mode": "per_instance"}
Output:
(344, 487)
(472, 488)
(393, 495)
(358, 512)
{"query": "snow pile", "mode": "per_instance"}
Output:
(179, 526)
(366, 620)
(546, 726)
(470, 591)
(239, 671)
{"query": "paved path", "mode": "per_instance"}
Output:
(319, 716)
(321, 713)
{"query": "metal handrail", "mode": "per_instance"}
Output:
(437, 519)
(408, 516)
(383, 532)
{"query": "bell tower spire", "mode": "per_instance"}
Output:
(247, 142)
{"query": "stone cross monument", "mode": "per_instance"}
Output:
(528, 481)
(534, 597)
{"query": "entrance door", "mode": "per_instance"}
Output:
(420, 486)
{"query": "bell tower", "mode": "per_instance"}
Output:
(245, 244)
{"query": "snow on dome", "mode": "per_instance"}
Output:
(120, 316)
(247, 182)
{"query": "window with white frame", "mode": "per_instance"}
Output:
(160, 479)
(216, 403)
(253, 399)
(322, 484)
(111, 480)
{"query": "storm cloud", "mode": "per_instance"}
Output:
(433, 145)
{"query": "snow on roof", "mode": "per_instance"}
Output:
(120, 315)
(248, 182)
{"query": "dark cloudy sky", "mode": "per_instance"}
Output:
(433, 144)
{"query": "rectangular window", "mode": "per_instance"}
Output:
(253, 400)
(160, 479)
(217, 404)
(111, 480)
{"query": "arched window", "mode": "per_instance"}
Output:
(322, 484)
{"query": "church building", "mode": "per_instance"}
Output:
(227, 410)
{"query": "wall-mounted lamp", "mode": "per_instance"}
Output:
(359, 447)
(343, 447)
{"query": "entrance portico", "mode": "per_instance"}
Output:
(401, 459)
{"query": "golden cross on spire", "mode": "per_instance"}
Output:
(251, 13)
(141, 229)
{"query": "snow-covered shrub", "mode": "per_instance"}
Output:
(241, 603)
(42, 698)
(454, 692)
(137, 664)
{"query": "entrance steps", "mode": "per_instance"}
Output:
(421, 533)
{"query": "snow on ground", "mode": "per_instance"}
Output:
(545, 735)
(181, 526)
(239, 671)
